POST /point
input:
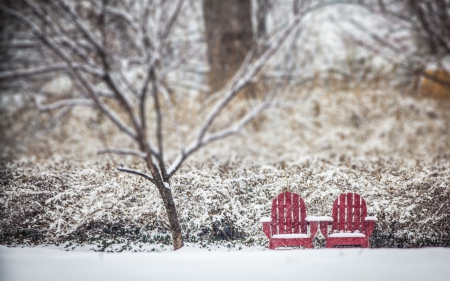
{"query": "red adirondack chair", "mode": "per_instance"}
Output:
(287, 225)
(350, 224)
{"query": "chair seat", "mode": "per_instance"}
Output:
(348, 234)
(290, 236)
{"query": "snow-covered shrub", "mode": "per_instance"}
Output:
(411, 200)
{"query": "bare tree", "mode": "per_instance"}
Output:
(93, 43)
(419, 34)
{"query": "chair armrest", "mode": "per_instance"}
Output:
(369, 223)
(266, 225)
(265, 219)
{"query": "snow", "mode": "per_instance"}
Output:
(346, 234)
(265, 219)
(319, 218)
(288, 236)
(253, 264)
(371, 219)
(167, 185)
(387, 146)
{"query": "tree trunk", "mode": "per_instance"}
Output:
(175, 228)
(229, 36)
(261, 15)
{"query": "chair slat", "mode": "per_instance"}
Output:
(296, 212)
(357, 218)
(281, 217)
(302, 215)
(335, 215)
(288, 210)
(274, 215)
(349, 210)
(363, 213)
(342, 205)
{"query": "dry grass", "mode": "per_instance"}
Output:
(434, 89)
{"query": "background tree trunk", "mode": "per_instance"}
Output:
(229, 36)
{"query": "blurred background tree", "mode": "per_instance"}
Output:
(417, 41)
(229, 36)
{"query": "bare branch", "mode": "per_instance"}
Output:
(58, 116)
(247, 76)
(65, 103)
(135, 172)
(218, 136)
(103, 54)
(79, 75)
(159, 136)
(48, 69)
(238, 126)
(62, 38)
(171, 21)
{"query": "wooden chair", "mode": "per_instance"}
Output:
(350, 224)
(287, 225)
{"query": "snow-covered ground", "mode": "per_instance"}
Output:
(249, 264)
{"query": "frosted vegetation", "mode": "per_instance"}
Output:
(391, 148)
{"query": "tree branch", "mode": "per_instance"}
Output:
(65, 103)
(171, 21)
(135, 172)
(247, 76)
(47, 69)
(217, 136)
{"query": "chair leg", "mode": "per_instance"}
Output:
(271, 245)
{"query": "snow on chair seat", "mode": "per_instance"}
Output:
(287, 225)
(346, 235)
(350, 224)
(288, 236)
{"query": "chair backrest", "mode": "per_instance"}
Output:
(349, 211)
(288, 214)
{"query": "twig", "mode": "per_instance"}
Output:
(135, 172)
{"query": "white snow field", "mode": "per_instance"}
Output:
(250, 264)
